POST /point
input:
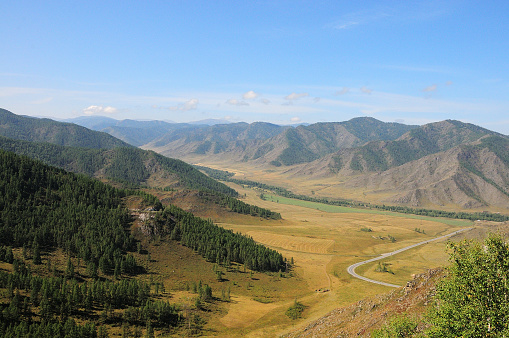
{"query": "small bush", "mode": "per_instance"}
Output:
(399, 327)
(295, 311)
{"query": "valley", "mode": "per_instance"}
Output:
(253, 249)
(259, 169)
(323, 244)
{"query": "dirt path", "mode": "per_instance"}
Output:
(351, 268)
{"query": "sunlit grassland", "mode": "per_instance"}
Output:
(323, 240)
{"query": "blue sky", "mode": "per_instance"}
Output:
(277, 61)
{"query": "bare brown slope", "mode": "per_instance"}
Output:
(448, 163)
(361, 318)
(445, 178)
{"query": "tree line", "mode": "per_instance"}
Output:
(238, 206)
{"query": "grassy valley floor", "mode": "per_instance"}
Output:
(322, 242)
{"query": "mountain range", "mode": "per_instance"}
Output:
(448, 164)
(98, 154)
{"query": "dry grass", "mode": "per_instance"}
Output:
(323, 245)
(293, 243)
(244, 311)
(329, 186)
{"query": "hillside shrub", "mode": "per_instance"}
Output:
(295, 311)
(398, 327)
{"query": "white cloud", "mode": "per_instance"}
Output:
(265, 101)
(191, 104)
(431, 88)
(295, 119)
(317, 99)
(235, 102)
(94, 110)
(186, 106)
(296, 96)
(343, 91)
(250, 95)
(366, 90)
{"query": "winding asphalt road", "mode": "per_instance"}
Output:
(351, 268)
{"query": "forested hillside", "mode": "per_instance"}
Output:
(48, 207)
(136, 168)
(215, 243)
(129, 165)
(45, 209)
(46, 130)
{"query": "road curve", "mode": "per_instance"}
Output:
(351, 268)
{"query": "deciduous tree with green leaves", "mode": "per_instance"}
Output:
(473, 301)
